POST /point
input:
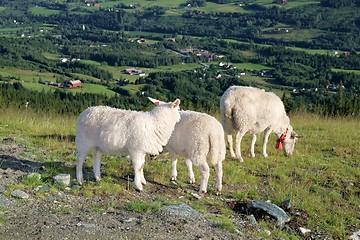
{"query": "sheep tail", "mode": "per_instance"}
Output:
(227, 118)
(217, 149)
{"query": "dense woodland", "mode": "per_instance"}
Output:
(106, 39)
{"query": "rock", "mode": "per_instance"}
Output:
(42, 188)
(34, 175)
(19, 194)
(355, 236)
(285, 204)
(63, 180)
(127, 220)
(304, 230)
(180, 210)
(2, 189)
(252, 220)
(57, 197)
(272, 209)
(4, 203)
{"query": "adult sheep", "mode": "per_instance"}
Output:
(114, 131)
(249, 109)
(199, 138)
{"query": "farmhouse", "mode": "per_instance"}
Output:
(133, 71)
(73, 83)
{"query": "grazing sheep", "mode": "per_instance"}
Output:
(198, 137)
(248, 109)
(118, 132)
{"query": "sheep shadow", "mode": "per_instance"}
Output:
(17, 164)
(59, 137)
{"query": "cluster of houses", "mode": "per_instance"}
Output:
(66, 84)
(133, 71)
(90, 3)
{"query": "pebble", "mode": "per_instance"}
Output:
(355, 236)
(4, 203)
(19, 194)
(304, 230)
(34, 175)
(2, 189)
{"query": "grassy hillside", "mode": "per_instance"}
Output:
(321, 179)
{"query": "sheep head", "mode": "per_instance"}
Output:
(289, 142)
(174, 104)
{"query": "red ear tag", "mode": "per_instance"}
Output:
(278, 144)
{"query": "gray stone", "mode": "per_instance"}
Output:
(4, 203)
(252, 220)
(180, 210)
(19, 194)
(34, 175)
(2, 189)
(63, 180)
(272, 209)
(355, 236)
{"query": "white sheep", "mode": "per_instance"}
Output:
(248, 109)
(119, 132)
(199, 138)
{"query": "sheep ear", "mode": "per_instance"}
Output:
(155, 101)
(176, 103)
(295, 135)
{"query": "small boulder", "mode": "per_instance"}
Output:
(19, 194)
(62, 180)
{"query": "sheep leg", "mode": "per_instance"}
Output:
(266, 138)
(190, 171)
(219, 174)
(230, 141)
(173, 167)
(96, 166)
(205, 172)
(138, 161)
(252, 148)
(239, 136)
(79, 168)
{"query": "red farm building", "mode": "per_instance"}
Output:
(73, 83)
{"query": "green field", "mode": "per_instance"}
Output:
(292, 34)
(43, 11)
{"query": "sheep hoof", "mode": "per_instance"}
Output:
(191, 181)
(218, 193)
(97, 179)
(173, 178)
(265, 155)
(202, 193)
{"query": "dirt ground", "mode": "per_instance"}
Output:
(68, 214)
(65, 215)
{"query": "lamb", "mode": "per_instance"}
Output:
(199, 138)
(249, 109)
(114, 131)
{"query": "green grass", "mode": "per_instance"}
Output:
(345, 71)
(294, 34)
(42, 11)
(141, 206)
(321, 178)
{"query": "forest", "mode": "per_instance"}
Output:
(325, 82)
